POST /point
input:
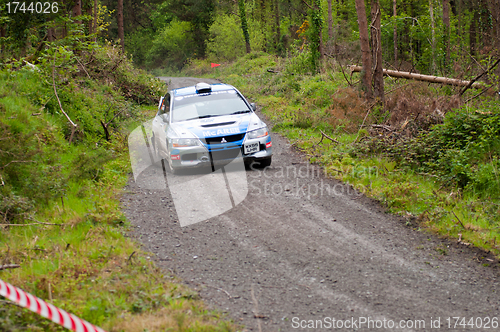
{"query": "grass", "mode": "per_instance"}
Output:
(300, 105)
(85, 264)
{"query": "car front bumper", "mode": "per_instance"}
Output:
(219, 154)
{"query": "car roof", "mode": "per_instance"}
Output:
(190, 90)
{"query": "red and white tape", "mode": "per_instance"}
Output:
(45, 309)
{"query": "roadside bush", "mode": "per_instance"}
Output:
(37, 164)
(464, 150)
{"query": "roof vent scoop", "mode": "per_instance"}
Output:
(203, 87)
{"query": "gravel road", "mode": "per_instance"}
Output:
(303, 249)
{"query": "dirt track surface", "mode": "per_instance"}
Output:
(293, 249)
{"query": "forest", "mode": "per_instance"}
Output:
(398, 98)
(443, 38)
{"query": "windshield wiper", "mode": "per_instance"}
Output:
(203, 117)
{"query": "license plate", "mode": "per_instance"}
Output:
(251, 148)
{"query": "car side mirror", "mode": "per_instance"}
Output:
(160, 104)
(254, 107)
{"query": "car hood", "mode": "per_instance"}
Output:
(218, 126)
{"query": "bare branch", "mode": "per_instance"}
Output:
(17, 161)
(83, 67)
(59, 101)
(36, 222)
(478, 77)
(9, 266)
(308, 5)
(328, 137)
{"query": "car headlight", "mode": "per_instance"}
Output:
(258, 133)
(185, 142)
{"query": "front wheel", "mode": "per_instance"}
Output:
(156, 152)
(169, 167)
(265, 162)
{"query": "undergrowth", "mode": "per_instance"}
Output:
(60, 217)
(426, 155)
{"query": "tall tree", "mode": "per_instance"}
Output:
(2, 35)
(473, 30)
(494, 6)
(95, 19)
(446, 33)
(119, 15)
(277, 26)
(77, 9)
(330, 20)
(200, 14)
(365, 49)
(378, 74)
(244, 25)
(395, 14)
(433, 37)
(316, 42)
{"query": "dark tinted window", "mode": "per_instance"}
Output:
(207, 104)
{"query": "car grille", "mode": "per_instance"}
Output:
(225, 154)
(229, 138)
(189, 156)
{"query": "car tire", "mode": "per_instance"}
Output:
(169, 168)
(260, 163)
(156, 155)
(265, 162)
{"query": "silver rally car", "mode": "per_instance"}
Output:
(208, 125)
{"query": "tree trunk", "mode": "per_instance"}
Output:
(424, 78)
(277, 27)
(494, 7)
(2, 35)
(263, 21)
(50, 35)
(77, 9)
(88, 12)
(473, 32)
(365, 49)
(244, 25)
(459, 18)
(95, 20)
(330, 21)
(495, 13)
(378, 75)
(119, 15)
(446, 34)
(433, 38)
(395, 14)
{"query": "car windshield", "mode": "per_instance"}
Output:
(206, 105)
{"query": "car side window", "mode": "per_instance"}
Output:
(165, 108)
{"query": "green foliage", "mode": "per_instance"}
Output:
(222, 45)
(314, 34)
(173, 45)
(244, 25)
(464, 150)
(299, 62)
(36, 163)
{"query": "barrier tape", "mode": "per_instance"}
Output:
(45, 309)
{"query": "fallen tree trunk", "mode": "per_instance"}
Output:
(425, 78)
